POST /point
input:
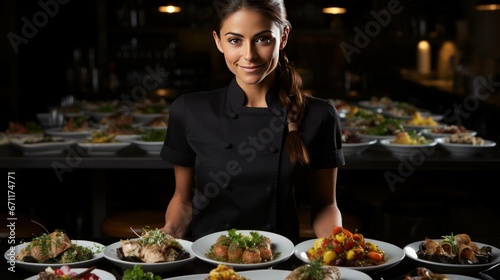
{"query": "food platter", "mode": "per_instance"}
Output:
(278, 274)
(393, 253)
(408, 149)
(465, 149)
(280, 244)
(103, 275)
(43, 148)
(412, 248)
(156, 268)
(97, 248)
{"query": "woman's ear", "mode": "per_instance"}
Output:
(284, 37)
(217, 41)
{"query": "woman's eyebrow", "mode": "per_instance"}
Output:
(240, 35)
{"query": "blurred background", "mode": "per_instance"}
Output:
(103, 49)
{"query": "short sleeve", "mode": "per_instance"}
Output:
(326, 147)
(176, 148)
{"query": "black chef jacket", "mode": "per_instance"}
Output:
(244, 179)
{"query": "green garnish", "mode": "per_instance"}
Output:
(136, 273)
(450, 239)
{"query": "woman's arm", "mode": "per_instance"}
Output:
(178, 214)
(325, 214)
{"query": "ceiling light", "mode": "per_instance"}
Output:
(334, 10)
(171, 9)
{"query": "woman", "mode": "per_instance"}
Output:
(242, 152)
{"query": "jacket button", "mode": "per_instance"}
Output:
(227, 145)
(269, 188)
(228, 226)
(273, 150)
(233, 115)
(268, 227)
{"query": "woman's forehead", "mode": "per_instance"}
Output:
(244, 21)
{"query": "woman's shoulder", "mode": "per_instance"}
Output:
(320, 105)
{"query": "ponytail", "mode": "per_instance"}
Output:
(293, 98)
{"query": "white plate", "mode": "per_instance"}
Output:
(101, 149)
(103, 275)
(455, 277)
(97, 248)
(42, 149)
(78, 135)
(393, 253)
(465, 149)
(418, 128)
(127, 137)
(279, 244)
(375, 137)
(145, 118)
(412, 248)
(368, 105)
(350, 149)
(406, 149)
(156, 268)
(151, 147)
(428, 132)
(277, 274)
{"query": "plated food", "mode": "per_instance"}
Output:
(447, 130)
(424, 273)
(465, 145)
(55, 250)
(65, 272)
(356, 257)
(281, 248)
(154, 250)
(406, 144)
(444, 256)
(42, 145)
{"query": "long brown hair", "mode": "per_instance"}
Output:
(290, 82)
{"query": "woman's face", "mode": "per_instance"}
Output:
(250, 43)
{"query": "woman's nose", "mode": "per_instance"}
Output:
(249, 52)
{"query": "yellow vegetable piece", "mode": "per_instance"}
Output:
(328, 256)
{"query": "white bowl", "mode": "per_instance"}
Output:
(156, 268)
(97, 248)
(393, 253)
(407, 149)
(351, 149)
(151, 147)
(412, 249)
(77, 135)
(279, 244)
(102, 149)
(465, 149)
(43, 148)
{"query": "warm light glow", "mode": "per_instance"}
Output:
(334, 10)
(169, 9)
(424, 57)
(492, 7)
